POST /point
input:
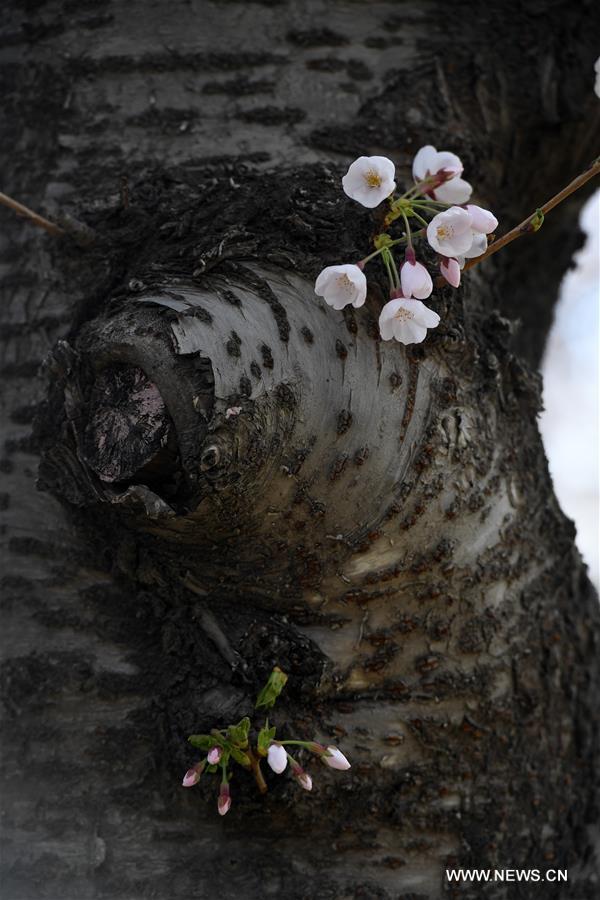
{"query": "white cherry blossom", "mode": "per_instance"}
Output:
(342, 285)
(406, 320)
(451, 231)
(483, 222)
(369, 180)
(277, 758)
(430, 162)
(416, 280)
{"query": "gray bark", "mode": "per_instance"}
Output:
(377, 520)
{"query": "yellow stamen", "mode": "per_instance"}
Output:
(373, 178)
(345, 283)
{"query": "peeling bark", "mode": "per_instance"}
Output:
(235, 476)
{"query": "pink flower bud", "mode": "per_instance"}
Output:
(335, 759)
(277, 758)
(450, 270)
(416, 280)
(192, 776)
(302, 777)
(214, 755)
(224, 801)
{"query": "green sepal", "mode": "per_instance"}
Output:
(383, 240)
(272, 689)
(202, 741)
(240, 757)
(238, 734)
(212, 769)
(265, 738)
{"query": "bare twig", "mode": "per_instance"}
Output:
(33, 217)
(528, 225)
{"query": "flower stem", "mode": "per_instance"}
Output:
(258, 775)
(33, 217)
(394, 271)
(407, 226)
(526, 226)
(371, 256)
(420, 218)
(386, 256)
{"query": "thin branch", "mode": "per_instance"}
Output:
(33, 217)
(527, 225)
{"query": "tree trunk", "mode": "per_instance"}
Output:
(235, 476)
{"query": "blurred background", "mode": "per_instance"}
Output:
(569, 423)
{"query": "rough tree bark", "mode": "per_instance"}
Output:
(377, 520)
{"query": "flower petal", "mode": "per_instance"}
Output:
(454, 191)
(478, 246)
(424, 316)
(483, 220)
(410, 332)
(424, 160)
(449, 162)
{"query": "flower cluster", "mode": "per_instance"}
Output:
(233, 745)
(438, 201)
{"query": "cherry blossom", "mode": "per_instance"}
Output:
(597, 82)
(406, 320)
(416, 280)
(369, 180)
(450, 270)
(447, 168)
(451, 232)
(277, 758)
(224, 801)
(342, 285)
(443, 230)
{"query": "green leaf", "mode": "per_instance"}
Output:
(265, 737)
(537, 220)
(240, 757)
(238, 734)
(272, 689)
(202, 741)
